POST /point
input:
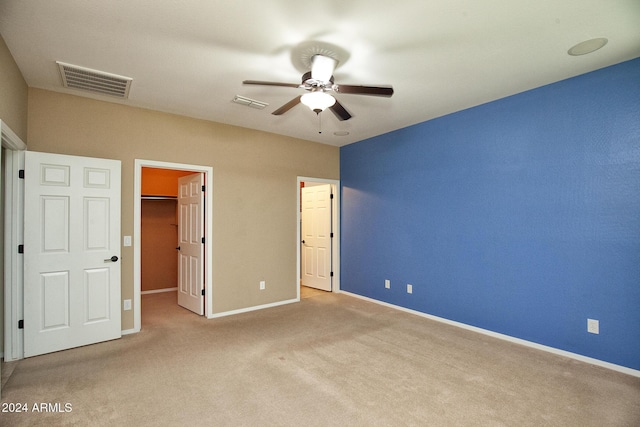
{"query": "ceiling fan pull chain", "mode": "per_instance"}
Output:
(319, 123)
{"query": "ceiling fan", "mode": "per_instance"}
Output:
(319, 83)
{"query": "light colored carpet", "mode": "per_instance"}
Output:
(307, 292)
(330, 360)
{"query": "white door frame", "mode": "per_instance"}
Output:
(13, 189)
(137, 220)
(335, 243)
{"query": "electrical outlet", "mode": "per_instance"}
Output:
(387, 284)
(593, 326)
(127, 304)
(263, 285)
(409, 289)
(127, 241)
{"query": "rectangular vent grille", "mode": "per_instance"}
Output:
(94, 81)
(249, 102)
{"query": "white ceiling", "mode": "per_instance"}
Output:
(190, 57)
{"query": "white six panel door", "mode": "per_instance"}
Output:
(191, 247)
(71, 252)
(316, 237)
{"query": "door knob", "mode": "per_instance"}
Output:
(178, 248)
(303, 242)
(112, 259)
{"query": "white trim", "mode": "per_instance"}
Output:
(129, 331)
(335, 249)
(137, 209)
(254, 308)
(10, 140)
(13, 189)
(158, 291)
(581, 358)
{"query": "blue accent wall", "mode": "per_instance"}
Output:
(520, 216)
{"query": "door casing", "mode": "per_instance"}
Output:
(13, 189)
(316, 228)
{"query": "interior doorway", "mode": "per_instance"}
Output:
(165, 174)
(172, 249)
(318, 236)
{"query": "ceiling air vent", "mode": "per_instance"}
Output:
(249, 102)
(94, 81)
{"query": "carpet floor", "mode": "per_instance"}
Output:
(330, 360)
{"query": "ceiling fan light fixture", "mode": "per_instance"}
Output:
(318, 101)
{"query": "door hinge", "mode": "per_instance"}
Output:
(331, 235)
(331, 274)
(20, 249)
(331, 196)
(203, 240)
(203, 292)
(20, 324)
(203, 188)
(21, 174)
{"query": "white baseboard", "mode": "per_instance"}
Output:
(598, 362)
(254, 308)
(129, 331)
(157, 291)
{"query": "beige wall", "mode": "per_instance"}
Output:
(254, 194)
(13, 112)
(13, 94)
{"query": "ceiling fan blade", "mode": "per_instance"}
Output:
(366, 90)
(258, 82)
(340, 112)
(286, 107)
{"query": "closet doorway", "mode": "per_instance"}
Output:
(159, 230)
(160, 226)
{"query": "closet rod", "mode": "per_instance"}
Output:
(159, 198)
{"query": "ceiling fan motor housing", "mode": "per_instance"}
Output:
(309, 83)
(302, 55)
(322, 67)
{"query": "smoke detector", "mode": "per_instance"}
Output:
(587, 46)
